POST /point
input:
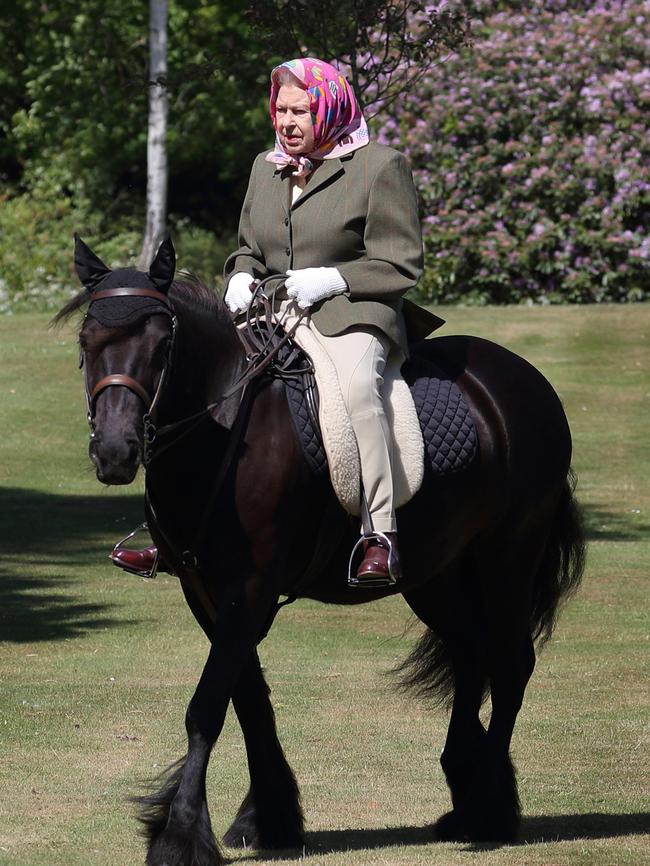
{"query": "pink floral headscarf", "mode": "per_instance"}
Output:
(339, 125)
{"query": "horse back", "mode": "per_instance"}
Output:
(519, 418)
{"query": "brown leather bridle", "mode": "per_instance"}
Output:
(122, 379)
(259, 356)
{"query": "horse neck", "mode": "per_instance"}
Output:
(209, 358)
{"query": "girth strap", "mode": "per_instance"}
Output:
(119, 379)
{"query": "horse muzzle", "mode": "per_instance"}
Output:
(116, 460)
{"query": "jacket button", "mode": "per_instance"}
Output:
(288, 251)
(286, 221)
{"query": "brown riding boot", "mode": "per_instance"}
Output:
(144, 562)
(380, 565)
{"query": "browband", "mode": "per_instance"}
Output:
(126, 292)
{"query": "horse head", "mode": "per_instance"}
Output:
(125, 343)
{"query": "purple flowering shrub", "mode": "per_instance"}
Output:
(531, 154)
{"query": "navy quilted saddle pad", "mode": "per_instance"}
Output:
(447, 428)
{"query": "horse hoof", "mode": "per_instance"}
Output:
(454, 827)
(242, 837)
(448, 828)
(275, 826)
(234, 839)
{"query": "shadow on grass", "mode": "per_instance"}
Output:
(604, 525)
(534, 830)
(593, 825)
(44, 532)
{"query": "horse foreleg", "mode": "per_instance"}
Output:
(179, 831)
(270, 815)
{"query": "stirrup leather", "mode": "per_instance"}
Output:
(151, 573)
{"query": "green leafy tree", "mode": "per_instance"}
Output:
(81, 84)
(385, 46)
(73, 118)
(73, 130)
(74, 101)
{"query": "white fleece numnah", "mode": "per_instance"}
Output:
(338, 435)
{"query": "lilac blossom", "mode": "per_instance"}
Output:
(531, 154)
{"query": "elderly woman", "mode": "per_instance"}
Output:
(338, 214)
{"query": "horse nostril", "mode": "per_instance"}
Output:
(133, 445)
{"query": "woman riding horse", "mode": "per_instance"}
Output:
(339, 215)
(241, 519)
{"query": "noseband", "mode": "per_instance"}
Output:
(122, 379)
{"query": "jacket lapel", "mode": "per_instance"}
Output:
(283, 189)
(327, 172)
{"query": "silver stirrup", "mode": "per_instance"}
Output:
(151, 573)
(371, 582)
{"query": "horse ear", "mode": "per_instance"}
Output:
(91, 270)
(163, 266)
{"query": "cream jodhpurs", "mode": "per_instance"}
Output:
(363, 359)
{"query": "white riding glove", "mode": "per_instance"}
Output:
(239, 294)
(307, 286)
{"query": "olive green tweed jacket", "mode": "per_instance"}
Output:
(357, 213)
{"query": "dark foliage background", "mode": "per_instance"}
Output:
(529, 144)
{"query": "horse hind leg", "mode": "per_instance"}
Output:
(482, 779)
(528, 575)
(488, 810)
(466, 737)
(448, 666)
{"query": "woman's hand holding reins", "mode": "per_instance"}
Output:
(239, 293)
(307, 286)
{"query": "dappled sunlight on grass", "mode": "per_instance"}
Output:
(98, 666)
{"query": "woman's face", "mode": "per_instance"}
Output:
(293, 120)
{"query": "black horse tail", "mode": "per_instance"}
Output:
(560, 571)
(428, 673)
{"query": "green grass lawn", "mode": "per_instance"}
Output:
(96, 666)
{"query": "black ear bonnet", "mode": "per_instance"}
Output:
(125, 311)
(120, 312)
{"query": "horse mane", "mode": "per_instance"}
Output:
(189, 291)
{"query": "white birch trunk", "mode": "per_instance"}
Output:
(157, 134)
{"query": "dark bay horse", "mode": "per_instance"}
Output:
(488, 554)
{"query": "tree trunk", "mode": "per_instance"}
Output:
(157, 133)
